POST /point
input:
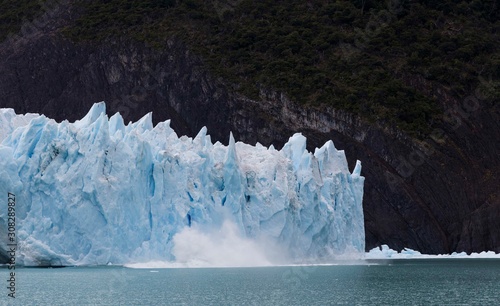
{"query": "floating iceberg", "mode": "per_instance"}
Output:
(384, 252)
(98, 191)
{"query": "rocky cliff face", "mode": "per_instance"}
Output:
(435, 195)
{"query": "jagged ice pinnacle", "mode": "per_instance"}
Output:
(97, 191)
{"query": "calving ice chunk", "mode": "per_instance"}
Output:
(98, 191)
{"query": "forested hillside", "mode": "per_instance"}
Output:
(354, 55)
(410, 88)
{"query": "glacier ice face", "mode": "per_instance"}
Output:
(9, 121)
(98, 191)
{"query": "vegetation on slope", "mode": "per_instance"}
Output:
(13, 14)
(352, 55)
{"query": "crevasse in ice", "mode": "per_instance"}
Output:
(97, 191)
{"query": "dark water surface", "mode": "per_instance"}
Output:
(397, 282)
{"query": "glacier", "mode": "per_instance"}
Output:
(98, 191)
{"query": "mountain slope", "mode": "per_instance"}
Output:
(413, 95)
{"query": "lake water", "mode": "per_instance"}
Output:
(397, 282)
